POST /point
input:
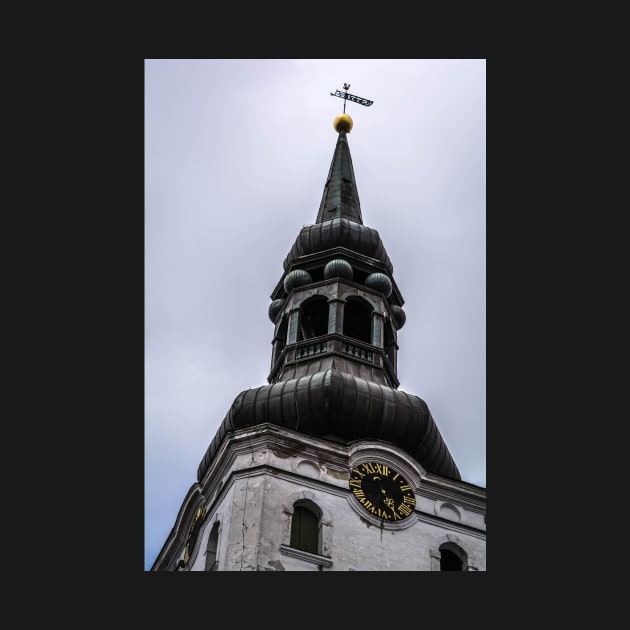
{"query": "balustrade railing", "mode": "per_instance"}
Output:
(306, 349)
(311, 349)
(358, 352)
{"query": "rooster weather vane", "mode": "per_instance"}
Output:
(350, 97)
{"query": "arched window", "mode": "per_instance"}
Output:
(305, 527)
(449, 561)
(452, 557)
(313, 318)
(211, 551)
(357, 320)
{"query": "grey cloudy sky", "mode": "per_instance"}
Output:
(237, 152)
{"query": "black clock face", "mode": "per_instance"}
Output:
(194, 532)
(382, 491)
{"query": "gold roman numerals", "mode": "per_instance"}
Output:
(372, 469)
(382, 491)
(404, 509)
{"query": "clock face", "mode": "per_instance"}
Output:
(194, 532)
(382, 491)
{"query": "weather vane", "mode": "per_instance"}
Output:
(350, 97)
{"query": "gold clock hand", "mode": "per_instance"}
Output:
(389, 503)
(386, 500)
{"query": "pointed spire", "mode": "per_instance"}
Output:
(341, 197)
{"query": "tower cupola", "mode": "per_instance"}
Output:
(336, 312)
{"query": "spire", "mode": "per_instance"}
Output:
(341, 197)
(339, 221)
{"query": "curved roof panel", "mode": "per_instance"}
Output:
(333, 403)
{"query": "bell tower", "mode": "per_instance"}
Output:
(337, 305)
(330, 466)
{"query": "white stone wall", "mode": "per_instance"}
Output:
(259, 474)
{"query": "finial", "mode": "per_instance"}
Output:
(343, 121)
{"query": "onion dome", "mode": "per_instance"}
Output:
(399, 316)
(379, 282)
(296, 278)
(338, 268)
(339, 232)
(274, 308)
(351, 408)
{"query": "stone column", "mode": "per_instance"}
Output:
(377, 329)
(335, 316)
(292, 333)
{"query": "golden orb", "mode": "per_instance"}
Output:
(343, 121)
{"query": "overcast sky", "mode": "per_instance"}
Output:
(237, 152)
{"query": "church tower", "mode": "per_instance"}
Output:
(330, 467)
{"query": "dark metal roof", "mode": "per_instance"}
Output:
(339, 222)
(341, 197)
(333, 404)
(339, 232)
